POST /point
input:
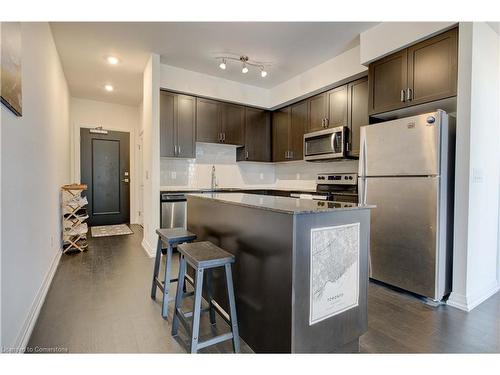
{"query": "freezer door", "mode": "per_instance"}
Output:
(403, 231)
(407, 146)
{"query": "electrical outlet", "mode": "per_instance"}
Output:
(477, 175)
(261, 176)
(173, 174)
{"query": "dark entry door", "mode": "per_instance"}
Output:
(104, 167)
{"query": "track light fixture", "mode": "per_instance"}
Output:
(245, 62)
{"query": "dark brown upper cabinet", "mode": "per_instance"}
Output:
(208, 120)
(233, 124)
(357, 112)
(298, 127)
(289, 126)
(424, 72)
(218, 122)
(337, 107)
(177, 125)
(281, 130)
(318, 109)
(257, 136)
(327, 110)
(432, 68)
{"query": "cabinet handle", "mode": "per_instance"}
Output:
(246, 155)
(286, 154)
(175, 150)
(327, 122)
(224, 137)
(178, 150)
(220, 137)
(322, 122)
(402, 95)
(409, 94)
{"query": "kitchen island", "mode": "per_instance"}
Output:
(301, 270)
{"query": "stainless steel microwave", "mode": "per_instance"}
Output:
(326, 144)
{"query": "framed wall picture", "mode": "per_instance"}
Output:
(11, 92)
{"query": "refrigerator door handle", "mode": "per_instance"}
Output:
(362, 154)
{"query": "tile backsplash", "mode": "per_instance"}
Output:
(196, 173)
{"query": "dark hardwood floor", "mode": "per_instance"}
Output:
(99, 303)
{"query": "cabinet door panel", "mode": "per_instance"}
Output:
(317, 112)
(281, 125)
(185, 128)
(298, 126)
(387, 77)
(233, 124)
(257, 135)
(167, 124)
(337, 107)
(208, 124)
(357, 112)
(432, 68)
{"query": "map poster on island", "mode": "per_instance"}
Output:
(334, 270)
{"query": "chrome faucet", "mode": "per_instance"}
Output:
(214, 179)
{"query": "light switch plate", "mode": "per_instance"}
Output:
(477, 175)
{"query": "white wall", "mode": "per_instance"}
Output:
(35, 163)
(475, 270)
(317, 78)
(151, 155)
(187, 81)
(180, 174)
(90, 114)
(388, 37)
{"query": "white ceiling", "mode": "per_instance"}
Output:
(291, 47)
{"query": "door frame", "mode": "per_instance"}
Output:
(76, 162)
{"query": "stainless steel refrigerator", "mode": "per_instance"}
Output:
(406, 169)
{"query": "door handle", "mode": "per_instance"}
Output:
(409, 94)
(402, 95)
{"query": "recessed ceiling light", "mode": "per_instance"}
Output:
(112, 60)
(109, 88)
(263, 73)
(245, 69)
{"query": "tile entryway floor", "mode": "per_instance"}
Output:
(99, 303)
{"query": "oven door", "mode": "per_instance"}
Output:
(325, 144)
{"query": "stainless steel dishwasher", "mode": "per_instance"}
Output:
(173, 210)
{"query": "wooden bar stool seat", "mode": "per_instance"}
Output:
(170, 237)
(205, 256)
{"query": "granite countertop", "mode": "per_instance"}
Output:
(166, 189)
(279, 204)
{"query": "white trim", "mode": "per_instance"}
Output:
(467, 303)
(147, 248)
(28, 325)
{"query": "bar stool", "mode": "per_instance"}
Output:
(204, 256)
(171, 237)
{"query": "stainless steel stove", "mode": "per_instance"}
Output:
(340, 188)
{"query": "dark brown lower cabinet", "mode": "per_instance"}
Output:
(257, 136)
(177, 125)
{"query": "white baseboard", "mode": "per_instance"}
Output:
(28, 325)
(467, 303)
(148, 249)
